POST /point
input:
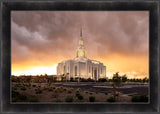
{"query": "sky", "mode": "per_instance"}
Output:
(42, 39)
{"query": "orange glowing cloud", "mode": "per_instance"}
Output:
(119, 39)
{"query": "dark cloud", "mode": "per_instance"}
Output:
(55, 34)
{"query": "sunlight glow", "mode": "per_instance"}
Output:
(37, 71)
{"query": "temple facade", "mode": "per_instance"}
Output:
(81, 66)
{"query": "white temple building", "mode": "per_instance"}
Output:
(81, 66)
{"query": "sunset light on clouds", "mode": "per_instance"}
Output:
(42, 39)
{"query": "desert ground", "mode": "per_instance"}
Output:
(75, 92)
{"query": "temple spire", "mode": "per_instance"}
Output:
(81, 32)
(81, 52)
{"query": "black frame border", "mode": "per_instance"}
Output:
(151, 6)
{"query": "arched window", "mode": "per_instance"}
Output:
(64, 69)
(101, 70)
(75, 70)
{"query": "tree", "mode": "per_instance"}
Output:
(71, 79)
(116, 83)
(124, 78)
(145, 80)
(102, 80)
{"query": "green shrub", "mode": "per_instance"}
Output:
(90, 93)
(38, 91)
(33, 85)
(80, 97)
(79, 89)
(29, 85)
(77, 93)
(17, 97)
(140, 98)
(32, 99)
(86, 92)
(69, 91)
(56, 91)
(91, 98)
(61, 87)
(117, 94)
(69, 99)
(111, 99)
(15, 93)
(23, 88)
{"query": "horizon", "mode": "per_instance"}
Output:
(109, 76)
(119, 39)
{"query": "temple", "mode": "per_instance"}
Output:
(81, 66)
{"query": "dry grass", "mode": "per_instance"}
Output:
(58, 94)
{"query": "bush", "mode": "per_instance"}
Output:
(33, 85)
(15, 93)
(90, 80)
(38, 91)
(32, 99)
(17, 97)
(80, 97)
(23, 88)
(69, 99)
(117, 94)
(86, 92)
(111, 99)
(140, 98)
(29, 85)
(77, 93)
(91, 98)
(69, 91)
(90, 93)
(102, 80)
(79, 89)
(61, 87)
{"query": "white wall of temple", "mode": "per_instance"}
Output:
(84, 70)
(71, 69)
(73, 72)
(89, 69)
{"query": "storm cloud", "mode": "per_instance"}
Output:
(54, 35)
